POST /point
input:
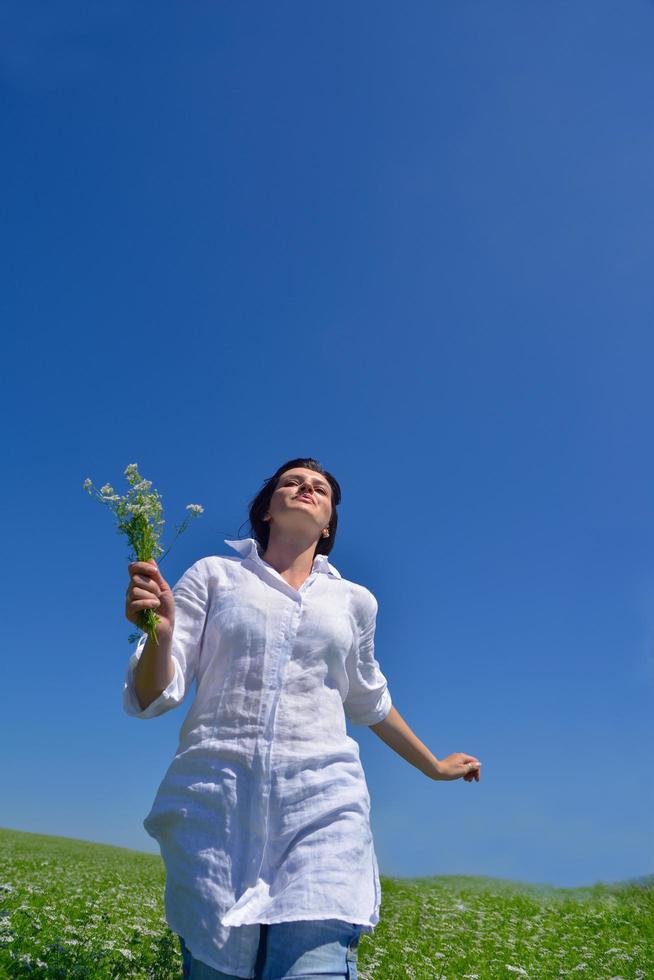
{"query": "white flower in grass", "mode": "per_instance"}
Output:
(515, 969)
(195, 508)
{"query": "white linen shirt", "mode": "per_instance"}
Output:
(264, 813)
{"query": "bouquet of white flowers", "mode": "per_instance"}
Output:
(138, 517)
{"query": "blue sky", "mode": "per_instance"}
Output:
(416, 244)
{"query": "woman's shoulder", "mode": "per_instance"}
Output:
(210, 562)
(362, 600)
(212, 569)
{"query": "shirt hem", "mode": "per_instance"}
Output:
(227, 968)
(271, 921)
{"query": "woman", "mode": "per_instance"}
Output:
(263, 816)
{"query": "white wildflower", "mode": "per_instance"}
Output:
(515, 969)
(139, 517)
(88, 482)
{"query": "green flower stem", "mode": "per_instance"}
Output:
(182, 528)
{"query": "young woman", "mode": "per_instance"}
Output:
(263, 816)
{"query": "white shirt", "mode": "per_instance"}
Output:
(264, 813)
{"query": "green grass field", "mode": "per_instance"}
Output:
(71, 908)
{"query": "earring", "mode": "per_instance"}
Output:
(325, 532)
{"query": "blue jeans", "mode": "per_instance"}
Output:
(324, 949)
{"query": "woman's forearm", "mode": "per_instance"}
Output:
(395, 732)
(154, 671)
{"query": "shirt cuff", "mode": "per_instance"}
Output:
(375, 714)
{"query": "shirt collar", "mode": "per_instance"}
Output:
(249, 548)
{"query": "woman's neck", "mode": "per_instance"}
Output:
(291, 557)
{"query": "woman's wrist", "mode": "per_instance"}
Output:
(435, 771)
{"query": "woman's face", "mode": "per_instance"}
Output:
(302, 498)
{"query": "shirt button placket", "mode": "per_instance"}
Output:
(274, 688)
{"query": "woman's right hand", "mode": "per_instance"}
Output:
(148, 589)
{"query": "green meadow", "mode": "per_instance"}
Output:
(72, 908)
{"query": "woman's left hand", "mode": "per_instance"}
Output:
(458, 765)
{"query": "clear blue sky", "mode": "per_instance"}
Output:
(415, 243)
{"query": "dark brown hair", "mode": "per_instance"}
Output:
(259, 505)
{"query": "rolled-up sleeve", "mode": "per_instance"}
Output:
(191, 604)
(368, 699)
